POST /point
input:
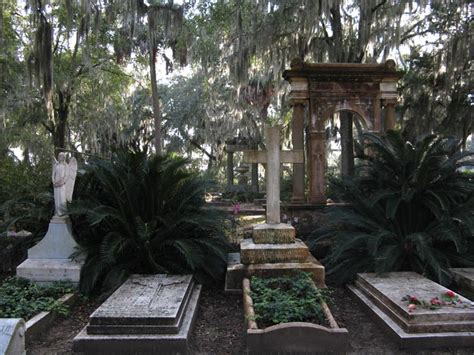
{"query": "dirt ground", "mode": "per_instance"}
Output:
(219, 327)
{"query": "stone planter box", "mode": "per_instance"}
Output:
(40, 323)
(293, 337)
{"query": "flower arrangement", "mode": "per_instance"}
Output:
(447, 299)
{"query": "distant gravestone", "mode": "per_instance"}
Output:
(12, 336)
(422, 327)
(147, 314)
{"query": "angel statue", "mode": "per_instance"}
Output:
(64, 176)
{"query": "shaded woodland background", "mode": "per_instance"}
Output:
(89, 75)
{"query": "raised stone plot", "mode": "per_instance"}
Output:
(146, 314)
(446, 326)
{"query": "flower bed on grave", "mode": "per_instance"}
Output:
(290, 315)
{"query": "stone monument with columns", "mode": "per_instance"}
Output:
(50, 259)
(273, 249)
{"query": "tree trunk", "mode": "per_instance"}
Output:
(154, 88)
(59, 132)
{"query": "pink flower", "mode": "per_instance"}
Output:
(411, 307)
(237, 208)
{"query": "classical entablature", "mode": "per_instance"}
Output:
(365, 89)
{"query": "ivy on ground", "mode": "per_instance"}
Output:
(287, 299)
(20, 298)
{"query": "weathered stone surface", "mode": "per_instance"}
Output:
(252, 253)
(47, 271)
(49, 260)
(147, 314)
(145, 304)
(464, 278)
(236, 271)
(58, 243)
(12, 336)
(273, 233)
(382, 297)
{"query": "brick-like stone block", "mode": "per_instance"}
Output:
(273, 233)
(252, 253)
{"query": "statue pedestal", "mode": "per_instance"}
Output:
(49, 260)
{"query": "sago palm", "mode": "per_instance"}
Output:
(139, 214)
(411, 208)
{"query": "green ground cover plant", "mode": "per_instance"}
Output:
(145, 214)
(287, 299)
(20, 298)
(411, 209)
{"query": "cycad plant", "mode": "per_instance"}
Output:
(410, 209)
(140, 214)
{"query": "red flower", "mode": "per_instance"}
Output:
(450, 294)
(413, 299)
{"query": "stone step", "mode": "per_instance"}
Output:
(236, 271)
(279, 233)
(253, 253)
(46, 271)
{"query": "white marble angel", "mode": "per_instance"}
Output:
(64, 176)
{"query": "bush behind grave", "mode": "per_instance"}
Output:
(145, 214)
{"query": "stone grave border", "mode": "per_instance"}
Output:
(304, 337)
(43, 321)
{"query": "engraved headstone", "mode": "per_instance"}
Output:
(12, 336)
(148, 313)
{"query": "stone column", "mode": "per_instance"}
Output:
(254, 173)
(389, 115)
(273, 175)
(297, 134)
(317, 167)
(347, 144)
(230, 168)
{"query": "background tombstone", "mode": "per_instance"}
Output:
(12, 336)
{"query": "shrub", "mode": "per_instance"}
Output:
(140, 214)
(411, 210)
(20, 298)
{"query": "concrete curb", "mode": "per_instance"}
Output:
(43, 320)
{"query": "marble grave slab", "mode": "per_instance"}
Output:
(423, 327)
(146, 313)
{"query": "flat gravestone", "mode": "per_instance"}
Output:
(12, 336)
(446, 326)
(464, 278)
(146, 314)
